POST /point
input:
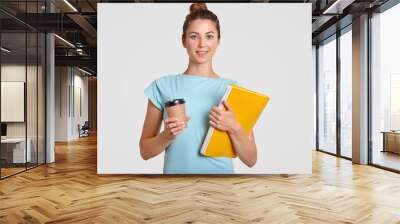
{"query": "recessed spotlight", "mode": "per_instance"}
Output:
(70, 5)
(5, 49)
(64, 40)
(84, 71)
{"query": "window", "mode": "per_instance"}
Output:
(346, 94)
(385, 88)
(327, 96)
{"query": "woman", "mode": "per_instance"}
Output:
(202, 89)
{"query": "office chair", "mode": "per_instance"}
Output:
(84, 130)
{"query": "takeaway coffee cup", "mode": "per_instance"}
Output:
(176, 108)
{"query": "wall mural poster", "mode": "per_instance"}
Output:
(196, 89)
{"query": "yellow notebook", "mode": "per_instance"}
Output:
(247, 106)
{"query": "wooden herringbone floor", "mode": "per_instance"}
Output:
(70, 191)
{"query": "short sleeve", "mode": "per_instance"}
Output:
(154, 94)
(236, 83)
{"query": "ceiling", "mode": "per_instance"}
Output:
(76, 22)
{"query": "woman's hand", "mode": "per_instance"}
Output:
(223, 120)
(174, 127)
(244, 144)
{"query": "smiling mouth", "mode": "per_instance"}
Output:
(201, 52)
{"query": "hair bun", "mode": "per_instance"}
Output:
(197, 7)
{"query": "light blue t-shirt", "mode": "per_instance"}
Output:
(183, 155)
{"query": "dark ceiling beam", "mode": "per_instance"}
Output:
(87, 51)
(87, 69)
(73, 10)
(15, 18)
(330, 13)
(84, 61)
(91, 5)
(11, 26)
(49, 22)
(86, 26)
(383, 6)
(332, 29)
(52, 22)
(321, 22)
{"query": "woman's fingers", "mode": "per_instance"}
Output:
(174, 127)
(213, 124)
(176, 124)
(179, 127)
(177, 130)
(214, 115)
(216, 110)
(227, 106)
(171, 119)
(213, 118)
(217, 125)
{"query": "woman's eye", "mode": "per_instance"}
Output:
(210, 37)
(192, 37)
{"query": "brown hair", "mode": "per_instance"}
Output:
(200, 11)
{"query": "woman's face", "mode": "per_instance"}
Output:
(201, 40)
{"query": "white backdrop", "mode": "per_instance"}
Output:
(266, 47)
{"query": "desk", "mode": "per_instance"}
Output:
(391, 141)
(15, 148)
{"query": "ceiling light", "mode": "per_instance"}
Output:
(70, 5)
(338, 6)
(84, 71)
(5, 49)
(64, 40)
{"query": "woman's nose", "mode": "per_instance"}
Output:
(202, 42)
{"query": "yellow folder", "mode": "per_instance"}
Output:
(247, 106)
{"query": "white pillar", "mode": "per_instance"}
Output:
(360, 90)
(50, 91)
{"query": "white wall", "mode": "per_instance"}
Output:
(68, 81)
(80, 84)
(61, 103)
(267, 48)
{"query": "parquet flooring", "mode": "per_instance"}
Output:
(70, 191)
(10, 171)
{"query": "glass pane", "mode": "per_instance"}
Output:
(31, 100)
(41, 98)
(346, 94)
(314, 66)
(13, 87)
(327, 96)
(386, 89)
